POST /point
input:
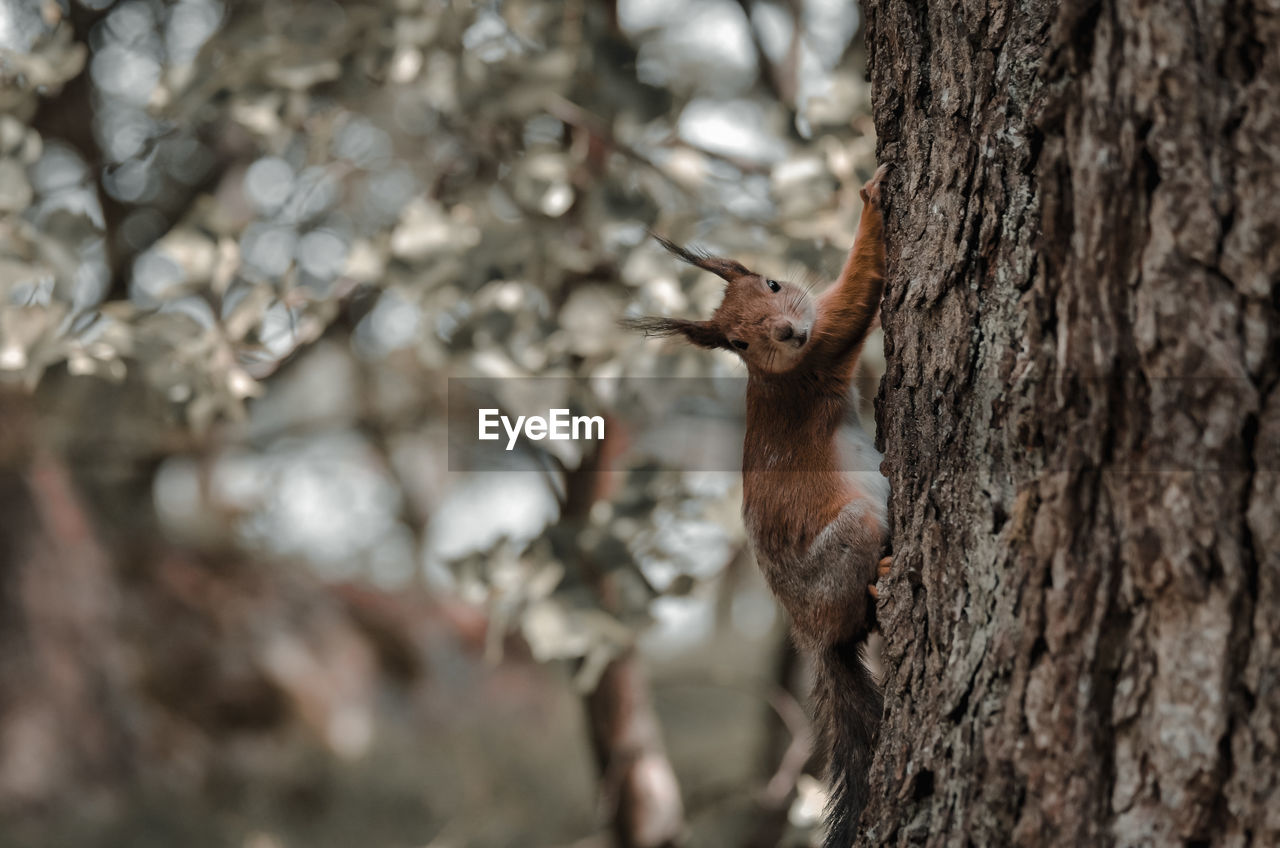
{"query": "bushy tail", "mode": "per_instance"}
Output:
(847, 702)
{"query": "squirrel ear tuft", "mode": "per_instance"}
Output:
(701, 333)
(725, 269)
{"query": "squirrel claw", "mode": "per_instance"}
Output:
(881, 572)
(870, 193)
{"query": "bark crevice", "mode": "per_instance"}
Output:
(1082, 337)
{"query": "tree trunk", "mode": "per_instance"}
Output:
(1081, 423)
(638, 783)
(64, 729)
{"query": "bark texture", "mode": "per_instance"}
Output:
(1081, 423)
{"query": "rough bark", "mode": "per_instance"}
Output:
(1081, 423)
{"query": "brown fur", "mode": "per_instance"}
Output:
(817, 532)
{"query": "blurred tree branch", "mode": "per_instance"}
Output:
(636, 777)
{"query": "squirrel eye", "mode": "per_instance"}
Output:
(739, 344)
(773, 285)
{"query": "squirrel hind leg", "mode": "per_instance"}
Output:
(884, 568)
(843, 559)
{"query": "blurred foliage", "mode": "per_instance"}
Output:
(287, 223)
(455, 188)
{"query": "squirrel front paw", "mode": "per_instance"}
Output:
(870, 193)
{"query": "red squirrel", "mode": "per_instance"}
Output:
(815, 516)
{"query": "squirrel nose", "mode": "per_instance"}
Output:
(784, 332)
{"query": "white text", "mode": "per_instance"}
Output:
(558, 426)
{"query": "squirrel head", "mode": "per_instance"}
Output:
(767, 323)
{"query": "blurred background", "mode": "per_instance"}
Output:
(244, 601)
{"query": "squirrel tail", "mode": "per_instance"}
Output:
(848, 705)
